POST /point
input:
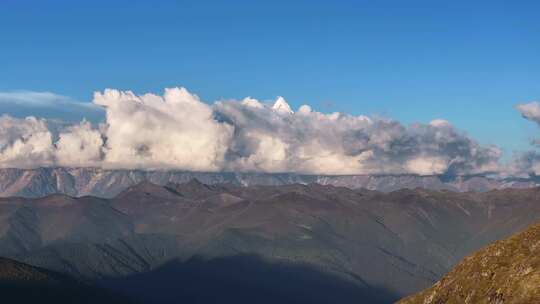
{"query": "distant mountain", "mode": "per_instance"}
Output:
(108, 183)
(382, 245)
(22, 283)
(506, 271)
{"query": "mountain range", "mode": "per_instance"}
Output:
(194, 241)
(107, 183)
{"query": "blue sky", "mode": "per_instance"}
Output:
(469, 63)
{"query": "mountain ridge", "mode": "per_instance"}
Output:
(108, 183)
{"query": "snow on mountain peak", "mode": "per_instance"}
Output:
(282, 106)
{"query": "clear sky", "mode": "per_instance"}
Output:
(468, 62)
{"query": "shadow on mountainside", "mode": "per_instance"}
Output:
(244, 279)
(44, 293)
(22, 283)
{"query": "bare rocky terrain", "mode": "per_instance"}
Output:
(370, 246)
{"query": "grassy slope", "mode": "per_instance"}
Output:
(506, 271)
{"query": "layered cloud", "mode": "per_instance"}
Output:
(47, 104)
(179, 131)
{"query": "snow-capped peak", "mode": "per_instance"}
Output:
(282, 106)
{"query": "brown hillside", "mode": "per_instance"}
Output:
(505, 272)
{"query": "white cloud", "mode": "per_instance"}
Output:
(79, 146)
(530, 111)
(440, 123)
(273, 138)
(25, 143)
(427, 165)
(179, 131)
(175, 130)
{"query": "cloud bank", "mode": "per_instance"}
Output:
(178, 131)
(527, 163)
(275, 139)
